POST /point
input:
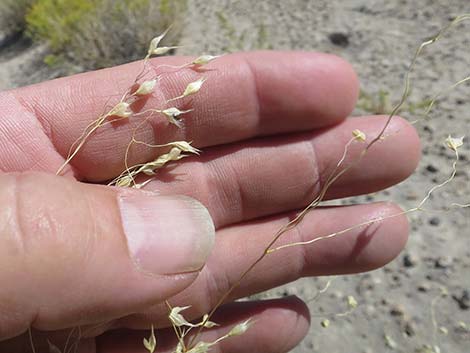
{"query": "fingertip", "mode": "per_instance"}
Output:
(297, 317)
(389, 236)
(343, 86)
(278, 324)
(293, 317)
(365, 237)
(409, 142)
(392, 158)
(316, 89)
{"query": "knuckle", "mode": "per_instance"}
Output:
(30, 215)
(42, 213)
(11, 235)
(15, 314)
(43, 235)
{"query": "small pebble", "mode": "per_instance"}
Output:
(411, 196)
(409, 329)
(434, 221)
(463, 300)
(389, 342)
(409, 260)
(443, 262)
(428, 129)
(397, 310)
(424, 287)
(462, 326)
(443, 330)
(339, 39)
(431, 169)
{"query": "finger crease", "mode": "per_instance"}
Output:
(46, 129)
(257, 104)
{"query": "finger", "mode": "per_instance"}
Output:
(47, 342)
(278, 326)
(270, 176)
(74, 254)
(238, 247)
(245, 95)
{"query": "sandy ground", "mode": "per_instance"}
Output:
(378, 38)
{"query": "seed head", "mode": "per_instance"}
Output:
(185, 146)
(125, 181)
(454, 142)
(122, 110)
(352, 303)
(241, 328)
(151, 343)
(162, 50)
(155, 42)
(146, 88)
(173, 113)
(207, 323)
(176, 318)
(193, 87)
(204, 60)
(150, 167)
(359, 135)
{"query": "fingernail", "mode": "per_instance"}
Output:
(166, 234)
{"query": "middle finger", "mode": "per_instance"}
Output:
(273, 175)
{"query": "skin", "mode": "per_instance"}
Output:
(272, 126)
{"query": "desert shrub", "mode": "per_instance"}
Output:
(100, 33)
(12, 15)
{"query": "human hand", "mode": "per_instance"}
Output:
(272, 127)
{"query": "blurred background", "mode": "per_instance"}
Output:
(44, 39)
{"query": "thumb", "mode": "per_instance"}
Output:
(73, 254)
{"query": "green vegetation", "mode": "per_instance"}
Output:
(380, 103)
(93, 33)
(101, 33)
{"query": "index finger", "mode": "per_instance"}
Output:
(246, 95)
